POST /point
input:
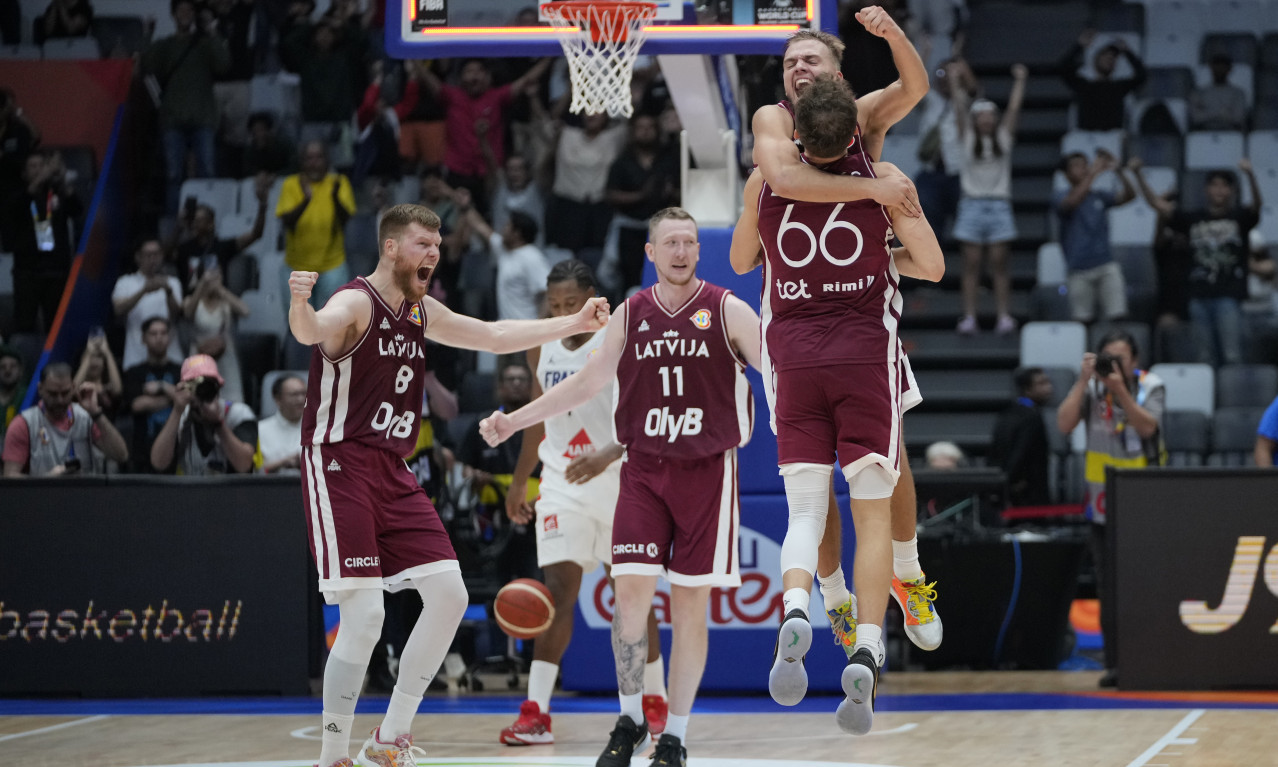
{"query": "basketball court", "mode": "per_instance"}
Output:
(962, 719)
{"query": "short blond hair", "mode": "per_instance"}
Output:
(676, 213)
(400, 217)
(832, 43)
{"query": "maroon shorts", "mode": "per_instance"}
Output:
(370, 524)
(849, 411)
(679, 519)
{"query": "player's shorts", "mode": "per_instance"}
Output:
(911, 396)
(851, 412)
(370, 524)
(574, 522)
(678, 518)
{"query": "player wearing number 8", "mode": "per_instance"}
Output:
(371, 527)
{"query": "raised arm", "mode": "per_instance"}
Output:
(1070, 412)
(345, 315)
(745, 253)
(927, 259)
(1164, 208)
(1244, 165)
(1078, 192)
(598, 371)
(778, 160)
(262, 191)
(1013, 113)
(507, 336)
(881, 109)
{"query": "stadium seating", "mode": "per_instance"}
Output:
(1246, 385)
(1233, 436)
(1054, 344)
(71, 48)
(1185, 436)
(1051, 264)
(1190, 386)
(1208, 150)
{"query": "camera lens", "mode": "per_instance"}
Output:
(207, 389)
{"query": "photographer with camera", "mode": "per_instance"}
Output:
(1122, 407)
(56, 436)
(205, 434)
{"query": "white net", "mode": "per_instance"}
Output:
(601, 41)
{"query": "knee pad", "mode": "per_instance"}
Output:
(362, 612)
(871, 481)
(443, 594)
(807, 491)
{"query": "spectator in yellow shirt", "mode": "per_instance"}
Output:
(314, 207)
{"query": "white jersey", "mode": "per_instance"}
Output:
(583, 429)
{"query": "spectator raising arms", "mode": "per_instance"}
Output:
(39, 215)
(63, 18)
(212, 311)
(314, 207)
(984, 223)
(97, 365)
(1220, 257)
(1095, 280)
(1100, 101)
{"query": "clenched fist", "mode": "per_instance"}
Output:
(300, 284)
(594, 315)
(496, 428)
(879, 22)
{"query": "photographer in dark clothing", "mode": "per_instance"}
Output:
(205, 434)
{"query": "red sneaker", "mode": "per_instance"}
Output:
(655, 710)
(530, 729)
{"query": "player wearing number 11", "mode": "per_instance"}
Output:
(371, 527)
(675, 354)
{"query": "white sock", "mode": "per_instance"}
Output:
(399, 716)
(632, 706)
(834, 589)
(541, 683)
(336, 740)
(870, 637)
(905, 560)
(795, 599)
(654, 678)
(677, 726)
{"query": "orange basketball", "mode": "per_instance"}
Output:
(524, 608)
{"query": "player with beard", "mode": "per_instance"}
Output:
(808, 55)
(371, 527)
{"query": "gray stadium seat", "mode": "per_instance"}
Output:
(1246, 385)
(1185, 435)
(1167, 82)
(1209, 150)
(1051, 264)
(1233, 16)
(1233, 436)
(1240, 47)
(1190, 386)
(119, 36)
(1058, 344)
(1177, 343)
(71, 48)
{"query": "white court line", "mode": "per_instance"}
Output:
(1171, 738)
(53, 727)
(305, 733)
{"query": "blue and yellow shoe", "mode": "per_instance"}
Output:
(843, 624)
(922, 622)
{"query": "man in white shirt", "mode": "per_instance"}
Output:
(141, 295)
(279, 437)
(521, 266)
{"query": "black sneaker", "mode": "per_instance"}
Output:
(626, 738)
(788, 680)
(670, 751)
(860, 681)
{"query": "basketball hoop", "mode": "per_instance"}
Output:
(601, 41)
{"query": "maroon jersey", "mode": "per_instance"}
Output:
(681, 390)
(373, 393)
(830, 290)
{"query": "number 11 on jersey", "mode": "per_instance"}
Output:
(664, 372)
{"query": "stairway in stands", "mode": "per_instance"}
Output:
(966, 381)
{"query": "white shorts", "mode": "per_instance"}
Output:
(574, 522)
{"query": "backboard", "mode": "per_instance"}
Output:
(429, 29)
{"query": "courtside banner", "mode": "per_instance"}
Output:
(153, 586)
(1195, 555)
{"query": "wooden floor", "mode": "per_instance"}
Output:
(953, 719)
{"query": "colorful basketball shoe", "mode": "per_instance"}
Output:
(400, 753)
(341, 763)
(843, 624)
(860, 682)
(532, 728)
(655, 710)
(922, 622)
(788, 679)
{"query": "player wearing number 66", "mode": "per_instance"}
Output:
(371, 527)
(675, 355)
